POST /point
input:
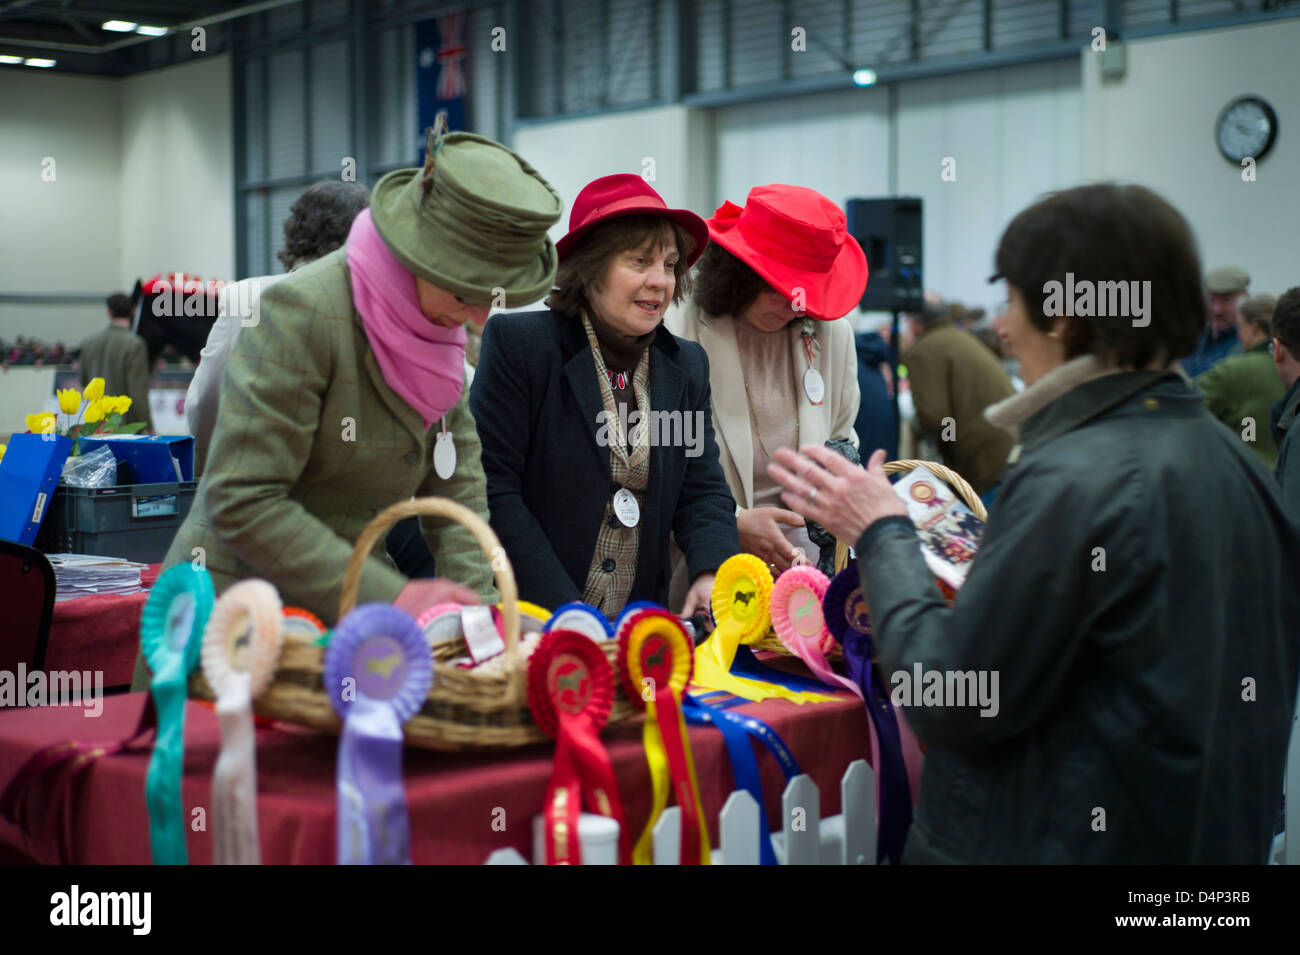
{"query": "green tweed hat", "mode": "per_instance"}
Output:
(1226, 279)
(473, 219)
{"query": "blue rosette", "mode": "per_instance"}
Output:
(582, 618)
(378, 671)
(171, 636)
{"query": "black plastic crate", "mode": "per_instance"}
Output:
(133, 521)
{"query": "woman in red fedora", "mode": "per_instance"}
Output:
(770, 293)
(595, 420)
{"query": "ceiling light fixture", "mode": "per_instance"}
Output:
(151, 31)
(119, 26)
(39, 61)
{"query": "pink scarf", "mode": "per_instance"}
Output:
(421, 361)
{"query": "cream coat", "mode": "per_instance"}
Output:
(836, 359)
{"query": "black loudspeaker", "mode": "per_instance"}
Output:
(889, 231)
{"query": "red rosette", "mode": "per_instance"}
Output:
(653, 623)
(570, 674)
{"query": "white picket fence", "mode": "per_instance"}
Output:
(850, 838)
(806, 839)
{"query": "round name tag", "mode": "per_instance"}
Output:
(814, 385)
(626, 508)
(444, 455)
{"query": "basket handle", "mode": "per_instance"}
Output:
(954, 480)
(437, 507)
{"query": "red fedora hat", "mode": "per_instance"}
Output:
(796, 238)
(625, 194)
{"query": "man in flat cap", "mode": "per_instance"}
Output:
(1225, 287)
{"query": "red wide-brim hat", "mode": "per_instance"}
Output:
(796, 238)
(624, 194)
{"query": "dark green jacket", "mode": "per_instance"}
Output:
(1239, 391)
(1287, 436)
(121, 358)
(1152, 698)
(953, 375)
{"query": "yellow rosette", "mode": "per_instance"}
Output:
(742, 590)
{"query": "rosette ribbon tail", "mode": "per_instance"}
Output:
(163, 781)
(564, 801)
(596, 772)
(736, 731)
(657, 760)
(681, 769)
(234, 781)
(713, 660)
(893, 794)
(373, 825)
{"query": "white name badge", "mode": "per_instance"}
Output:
(444, 455)
(626, 509)
(814, 386)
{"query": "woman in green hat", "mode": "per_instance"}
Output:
(350, 394)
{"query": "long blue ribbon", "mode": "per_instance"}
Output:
(736, 730)
(895, 794)
(747, 665)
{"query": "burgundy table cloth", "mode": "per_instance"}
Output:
(462, 806)
(101, 632)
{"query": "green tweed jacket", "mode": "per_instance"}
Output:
(1242, 387)
(121, 358)
(310, 444)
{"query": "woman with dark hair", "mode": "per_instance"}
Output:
(1134, 596)
(769, 295)
(597, 437)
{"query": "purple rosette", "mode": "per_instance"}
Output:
(378, 671)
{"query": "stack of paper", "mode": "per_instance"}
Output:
(79, 575)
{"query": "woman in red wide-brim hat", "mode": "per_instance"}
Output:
(770, 293)
(584, 487)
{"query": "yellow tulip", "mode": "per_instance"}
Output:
(123, 404)
(69, 400)
(42, 422)
(95, 410)
(3, 449)
(95, 390)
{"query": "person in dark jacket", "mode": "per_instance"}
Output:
(875, 424)
(597, 435)
(119, 356)
(1286, 355)
(1145, 673)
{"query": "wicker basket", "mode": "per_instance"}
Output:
(485, 707)
(953, 479)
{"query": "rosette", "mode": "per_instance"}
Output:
(800, 625)
(742, 589)
(299, 624)
(584, 618)
(378, 670)
(171, 628)
(571, 694)
(241, 647)
(655, 661)
(845, 611)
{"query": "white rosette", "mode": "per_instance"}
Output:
(241, 647)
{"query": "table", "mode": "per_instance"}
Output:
(453, 798)
(101, 632)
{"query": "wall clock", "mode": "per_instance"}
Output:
(1246, 127)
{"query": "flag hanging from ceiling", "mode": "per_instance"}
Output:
(442, 72)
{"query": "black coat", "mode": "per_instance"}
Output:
(536, 401)
(1157, 688)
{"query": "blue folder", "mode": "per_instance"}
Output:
(29, 473)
